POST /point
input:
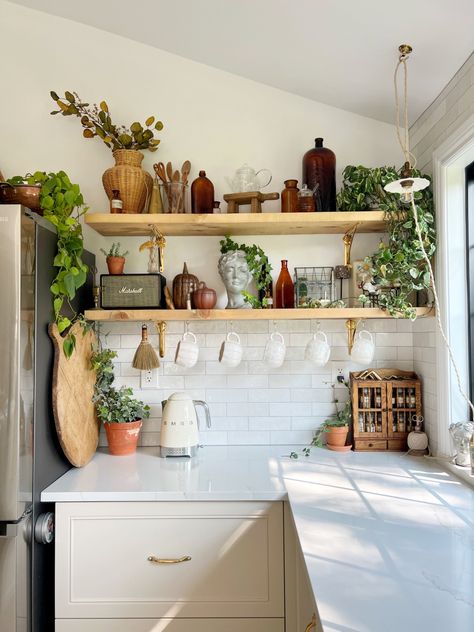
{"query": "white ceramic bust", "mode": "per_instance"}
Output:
(235, 274)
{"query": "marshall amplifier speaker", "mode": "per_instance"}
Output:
(132, 291)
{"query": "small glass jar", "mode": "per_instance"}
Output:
(289, 197)
(116, 204)
(305, 200)
(173, 195)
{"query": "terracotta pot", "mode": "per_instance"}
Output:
(133, 183)
(115, 264)
(204, 297)
(123, 438)
(336, 436)
(339, 448)
(25, 194)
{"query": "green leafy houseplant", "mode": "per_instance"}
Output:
(96, 121)
(342, 417)
(398, 268)
(63, 205)
(114, 405)
(259, 266)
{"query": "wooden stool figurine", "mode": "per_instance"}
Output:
(254, 198)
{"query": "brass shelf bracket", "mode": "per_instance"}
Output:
(351, 326)
(161, 328)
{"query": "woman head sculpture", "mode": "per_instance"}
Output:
(234, 271)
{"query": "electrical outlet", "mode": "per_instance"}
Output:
(339, 375)
(149, 379)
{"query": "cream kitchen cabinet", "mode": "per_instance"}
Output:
(144, 566)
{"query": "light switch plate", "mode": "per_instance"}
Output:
(149, 379)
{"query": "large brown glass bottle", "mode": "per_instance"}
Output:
(285, 288)
(319, 173)
(202, 194)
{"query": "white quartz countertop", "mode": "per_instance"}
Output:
(388, 539)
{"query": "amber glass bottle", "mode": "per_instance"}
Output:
(202, 194)
(289, 197)
(284, 289)
(319, 173)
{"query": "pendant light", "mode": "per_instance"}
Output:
(406, 187)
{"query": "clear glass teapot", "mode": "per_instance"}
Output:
(247, 179)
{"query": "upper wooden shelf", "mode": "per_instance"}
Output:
(243, 314)
(237, 224)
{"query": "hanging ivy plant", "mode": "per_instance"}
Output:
(63, 205)
(397, 269)
(259, 266)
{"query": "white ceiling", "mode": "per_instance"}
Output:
(338, 52)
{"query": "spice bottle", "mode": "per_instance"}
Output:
(285, 289)
(202, 194)
(305, 200)
(319, 171)
(289, 197)
(216, 207)
(116, 204)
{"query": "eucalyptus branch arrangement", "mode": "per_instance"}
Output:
(259, 266)
(96, 121)
(63, 205)
(398, 268)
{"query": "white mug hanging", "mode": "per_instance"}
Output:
(275, 350)
(364, 348)
(187, 351)
(231, 350)
(318, 350)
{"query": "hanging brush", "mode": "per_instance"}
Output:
(145, 357)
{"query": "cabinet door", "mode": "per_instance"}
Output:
(369, 405)
(170, 625)
(113, 560)
(404, 402)
(301, 610)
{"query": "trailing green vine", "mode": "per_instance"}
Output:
(259, 266)
(397, 269)
(63, 205)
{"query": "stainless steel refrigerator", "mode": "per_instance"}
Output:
(30, 455)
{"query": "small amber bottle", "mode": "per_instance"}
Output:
(289, 197)
(116, 204)
(202, 194)
(285, 288)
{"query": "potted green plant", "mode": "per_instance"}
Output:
(126, 143)
(336, 427)
(115, 259)
(121, 414)
(61, 203)
(398, 268)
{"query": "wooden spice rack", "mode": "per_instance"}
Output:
(383, 410)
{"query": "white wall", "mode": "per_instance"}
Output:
(438, 133)
(215, 119)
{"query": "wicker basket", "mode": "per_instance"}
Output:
(134, 183)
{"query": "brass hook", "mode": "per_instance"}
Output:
(351, 326)
(161, 328)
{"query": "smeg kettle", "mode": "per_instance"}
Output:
(179, 425)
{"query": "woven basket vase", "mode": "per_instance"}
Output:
(127, 177)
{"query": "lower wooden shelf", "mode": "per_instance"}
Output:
(344, 313)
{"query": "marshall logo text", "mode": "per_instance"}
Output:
(130, 290)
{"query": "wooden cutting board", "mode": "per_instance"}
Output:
(73, 386)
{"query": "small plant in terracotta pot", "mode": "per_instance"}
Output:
(120, 412)
(115, 259)
(335, 428)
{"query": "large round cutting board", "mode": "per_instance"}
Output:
(73, 386)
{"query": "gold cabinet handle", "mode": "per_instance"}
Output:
(311, 625)
(159, 560)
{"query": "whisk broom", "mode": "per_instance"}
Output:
(145, 357)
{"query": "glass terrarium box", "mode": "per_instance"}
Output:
(314, 286)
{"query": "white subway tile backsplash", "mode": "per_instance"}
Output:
(253, 403)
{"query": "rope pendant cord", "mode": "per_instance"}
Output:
(410, 158)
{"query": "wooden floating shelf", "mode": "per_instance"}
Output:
(358, 313)
(237, 224)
